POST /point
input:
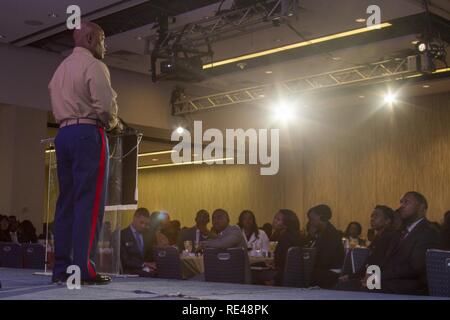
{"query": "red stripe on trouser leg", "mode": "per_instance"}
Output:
(96, 209)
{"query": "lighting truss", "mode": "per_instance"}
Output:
(227, 24)
(395, 69)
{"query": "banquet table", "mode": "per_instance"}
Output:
(192, 265)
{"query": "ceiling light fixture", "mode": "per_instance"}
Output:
(269, 72)
(297, 45)
(284, 111)
(360, 20)
(390, 98)
(180, 130)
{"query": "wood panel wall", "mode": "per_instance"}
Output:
(183, 190)
(360, 156)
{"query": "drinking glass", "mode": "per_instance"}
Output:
(272, 247)
(188, 246)
(258, 247)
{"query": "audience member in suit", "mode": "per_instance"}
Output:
(4, 229)
(267, 227)
(403, 270)
(381, 222)
(136, 253)
(197, 233)
(26, 233)
(287, 226)
(227, 237)
(329, 248)
(353, 234)
(445, 233)
(250, 231)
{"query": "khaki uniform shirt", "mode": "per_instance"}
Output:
(81, 88)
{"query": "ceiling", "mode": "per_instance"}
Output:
(127, 23)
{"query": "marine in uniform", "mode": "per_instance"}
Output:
(84, 104)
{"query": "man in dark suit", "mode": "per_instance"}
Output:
(329, 248)
(403, 270)
(135, 247)
(197, 233)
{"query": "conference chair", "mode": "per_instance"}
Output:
(225, 265)
(168, 264)
(11, 255)
(438, 272)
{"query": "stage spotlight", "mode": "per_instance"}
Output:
(284, 111)
(390, 98)
(422, 47)
(180, 130)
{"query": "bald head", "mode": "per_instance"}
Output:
(91, 37)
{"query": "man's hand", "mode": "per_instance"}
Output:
(270, 264)
(117, 130)
(150, 265)
(364, 281)
(269, 282)
(344, 278)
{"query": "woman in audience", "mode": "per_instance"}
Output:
(287, 227)
(353, 234)
(253, 236)
(26, 233)
(311, 234)
(329, 249)
(4, 229)
(172, 231)
(445, 234)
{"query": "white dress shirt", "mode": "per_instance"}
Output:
(81, 88)
(262, 237)
(411, 227)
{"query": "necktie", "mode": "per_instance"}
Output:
(140, 242)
